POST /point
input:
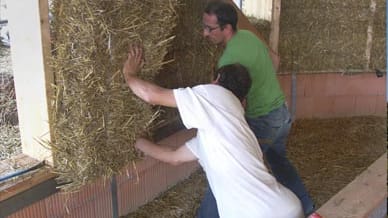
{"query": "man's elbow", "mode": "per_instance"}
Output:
(175, 162)
(149, 98)
(154, 101)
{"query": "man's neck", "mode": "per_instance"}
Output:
(229, 37)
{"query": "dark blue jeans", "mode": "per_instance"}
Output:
(272, 131)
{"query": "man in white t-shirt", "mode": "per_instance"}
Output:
(224, 145)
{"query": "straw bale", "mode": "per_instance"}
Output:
(263, 26)
(195, 57)
(96, 118)
(328, 35)
(325, 4)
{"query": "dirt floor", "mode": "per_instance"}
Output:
(328, 153)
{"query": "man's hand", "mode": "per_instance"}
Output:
(134, 62)
(147, 91)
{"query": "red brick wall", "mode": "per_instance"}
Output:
(323, 95)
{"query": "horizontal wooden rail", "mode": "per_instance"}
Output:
(363, 196)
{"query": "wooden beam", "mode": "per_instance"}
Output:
(369, 39)
(30, 48)
(23, 184)
(42, 186)
(363, 196)
(275, 25)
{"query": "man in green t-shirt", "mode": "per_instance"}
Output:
(266, 111)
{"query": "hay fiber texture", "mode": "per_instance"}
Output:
(96, 118)
(195, 57)
(331, 35)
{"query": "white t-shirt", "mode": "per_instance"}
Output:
(230, 155)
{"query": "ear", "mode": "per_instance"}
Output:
(244, 103)
(216, 80)
(228, 32)
(228, 28)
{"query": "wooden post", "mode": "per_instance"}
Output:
(275, 23)
(369, 39)
(30, 47)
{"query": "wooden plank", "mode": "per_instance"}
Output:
(369, 39)
(31, 195)
(362, 196)
(48, 73)
(28, 25)
(16, 162)
(24, 183)
(275, 26)
(21, 183)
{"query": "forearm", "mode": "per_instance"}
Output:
(165, 154)
(162, 153)
(151, 93)
(147, 91)
(142, 88)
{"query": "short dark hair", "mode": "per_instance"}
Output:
(235, 78)
(225, 13)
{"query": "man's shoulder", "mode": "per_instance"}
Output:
(246, 34)
(209, 88)
(212, 92)
(202, 89)
(243, 46)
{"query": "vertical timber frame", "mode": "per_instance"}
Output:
(30, 52)
(275, 25)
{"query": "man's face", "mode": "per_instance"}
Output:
(211, 30)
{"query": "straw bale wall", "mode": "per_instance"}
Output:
(331, 35)
(194, 58)
(96, 118)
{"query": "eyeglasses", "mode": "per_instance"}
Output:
(209, 29)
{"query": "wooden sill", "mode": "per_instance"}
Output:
(18, 184)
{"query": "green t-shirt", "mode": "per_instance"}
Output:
(265, 94)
